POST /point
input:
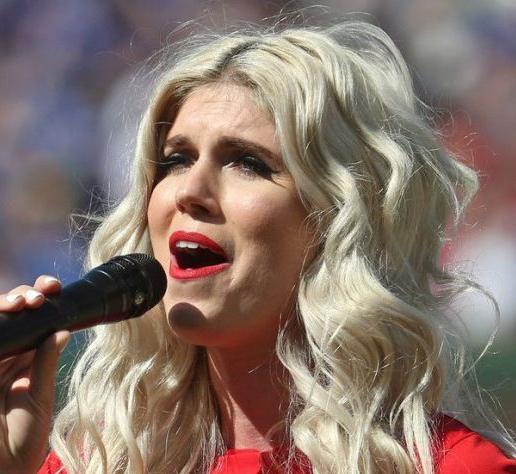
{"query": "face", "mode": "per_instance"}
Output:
(226, 222)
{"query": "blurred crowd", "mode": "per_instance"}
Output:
(69, 108)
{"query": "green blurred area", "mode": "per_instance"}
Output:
(497, 376)
(66, 364)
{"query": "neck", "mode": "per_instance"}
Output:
(252, 397)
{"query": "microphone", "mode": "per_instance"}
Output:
(122, 288)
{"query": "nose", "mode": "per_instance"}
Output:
(197, 191)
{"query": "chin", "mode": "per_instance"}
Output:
(190, 324)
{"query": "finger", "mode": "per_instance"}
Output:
(43, 373)
(28, 296)
(14, 364)
(22, 380)
(20, 290)
(16, 295)
(47, 284)
(11, 302)
(32, 298)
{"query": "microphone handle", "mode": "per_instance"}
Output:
(78, 306)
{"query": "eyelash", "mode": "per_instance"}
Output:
(250, 166)
(171, 162)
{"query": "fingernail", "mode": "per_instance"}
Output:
(12, 298)
(33, 295)
(50, 279)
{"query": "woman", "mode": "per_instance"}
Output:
(297, 199)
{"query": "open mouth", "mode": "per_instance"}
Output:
(194, 255)
(195, 258)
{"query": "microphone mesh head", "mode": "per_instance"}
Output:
(148, 267)
(155, 273)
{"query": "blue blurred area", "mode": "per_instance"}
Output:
(69, 108)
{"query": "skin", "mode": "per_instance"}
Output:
(259, 220)
(27, 387)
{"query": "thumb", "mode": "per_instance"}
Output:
(44, 366)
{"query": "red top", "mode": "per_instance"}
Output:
(462, 451)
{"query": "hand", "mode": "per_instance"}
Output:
(27, 387)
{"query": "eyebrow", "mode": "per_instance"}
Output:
(227, 142)
(177, 140)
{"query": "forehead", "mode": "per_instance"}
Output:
(226, 110)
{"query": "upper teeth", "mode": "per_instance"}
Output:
(184, 244)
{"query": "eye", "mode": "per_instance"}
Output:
(252, 166)
(173, 163)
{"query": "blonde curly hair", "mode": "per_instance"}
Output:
(371, 363)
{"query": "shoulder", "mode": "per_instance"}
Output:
(460, 450)
(52, 465)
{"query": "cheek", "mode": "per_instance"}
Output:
(275, 227)
(159, 212)
(251, 214)
(279, 241)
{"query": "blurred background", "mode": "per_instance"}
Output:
(69, 107)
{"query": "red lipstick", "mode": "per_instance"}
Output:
(175, 271)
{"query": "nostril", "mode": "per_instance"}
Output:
(194, 208)
(196, 196)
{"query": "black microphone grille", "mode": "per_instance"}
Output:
(145, 264)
